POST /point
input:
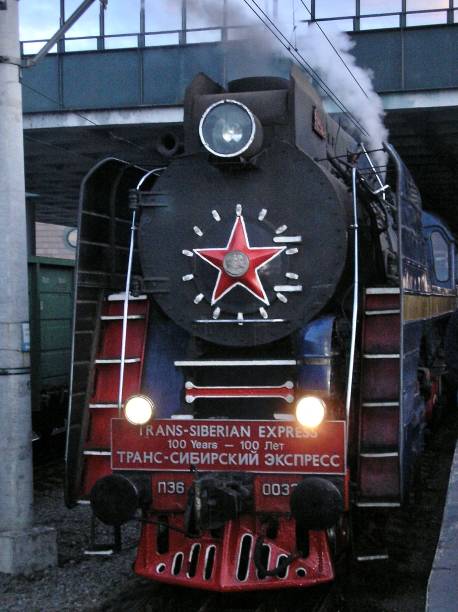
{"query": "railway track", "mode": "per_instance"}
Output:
(397, 584)
(157, 598)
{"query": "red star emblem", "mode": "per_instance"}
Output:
(238, 263)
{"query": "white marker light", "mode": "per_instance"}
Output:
(139, 409)
(310, 411)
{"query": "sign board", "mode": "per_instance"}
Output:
(271, 447)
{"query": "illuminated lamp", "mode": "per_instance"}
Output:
(310, 411)
(139, 409)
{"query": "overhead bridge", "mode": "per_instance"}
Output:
(82, 106)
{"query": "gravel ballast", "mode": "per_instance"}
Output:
(79, 582)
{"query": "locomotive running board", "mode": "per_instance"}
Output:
(235, 363)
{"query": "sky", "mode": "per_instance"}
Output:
(39, 19)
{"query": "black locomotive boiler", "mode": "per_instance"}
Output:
(257, 341)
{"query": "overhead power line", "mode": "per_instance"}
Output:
(78, 114)
(300, 59)
(336, 51)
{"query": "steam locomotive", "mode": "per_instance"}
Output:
(258, 340)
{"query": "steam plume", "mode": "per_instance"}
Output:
(366, 106)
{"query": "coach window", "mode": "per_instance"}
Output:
(440, 256)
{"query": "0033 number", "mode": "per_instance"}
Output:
(277, 489)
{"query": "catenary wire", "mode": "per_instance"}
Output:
(314, 73)
(336, 50)
(300, 59)
(57, 147)
(346, 154)
(78, 114)
(287, 45)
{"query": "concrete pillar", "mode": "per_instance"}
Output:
(23, 548)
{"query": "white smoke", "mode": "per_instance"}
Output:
(362, 101)
(359, 97)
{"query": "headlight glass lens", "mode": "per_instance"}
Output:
(227, 128)
(139, 409)
(310, 411)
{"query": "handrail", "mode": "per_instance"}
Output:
(451, 15)
(384, 14)
(133, 229)
(140, 36)
(399, 196)
(383, 187)
(354, 322)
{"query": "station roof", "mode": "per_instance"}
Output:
(56, 161)
(81, 107)
(58, 158)
(427, 140)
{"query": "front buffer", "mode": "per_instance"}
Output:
(233, 505)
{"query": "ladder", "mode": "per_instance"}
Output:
(379, 418)
(103, 403)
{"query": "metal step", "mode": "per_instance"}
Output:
(97, 452)
(105, 361)
(235, 363)
(119, 297)
(379, 454)
(372, 313)
(374, 557)
(382, 290)
(135, 317)
(378, 504)
(100, 551)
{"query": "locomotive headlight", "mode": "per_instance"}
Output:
(229, 129)
(310, 411)
(139, 409)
